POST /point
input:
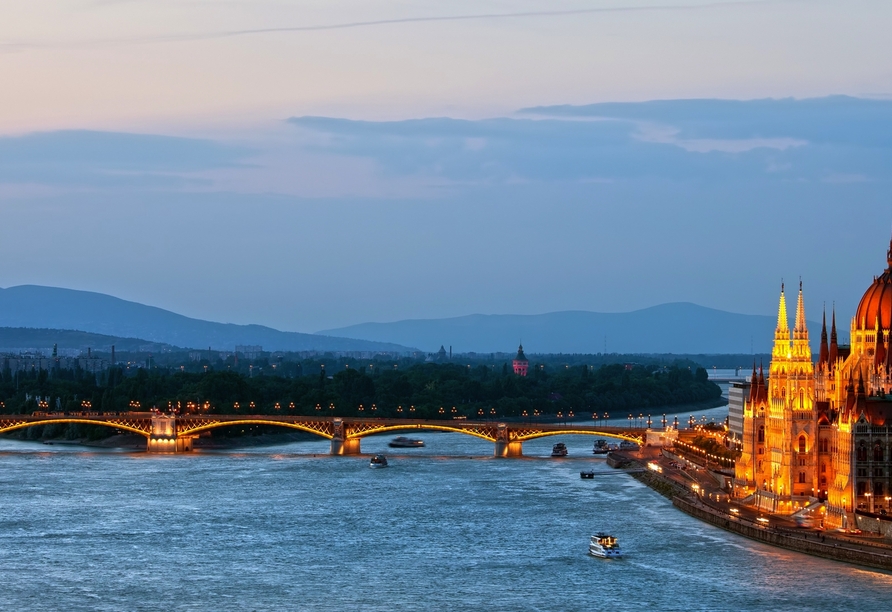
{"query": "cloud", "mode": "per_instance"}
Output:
(704, 140)
(201, 36)
(838, 120)
(90, 159)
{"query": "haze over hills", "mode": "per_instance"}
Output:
(680, 328)
(51, 307)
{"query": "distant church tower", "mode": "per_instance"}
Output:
(521, 364)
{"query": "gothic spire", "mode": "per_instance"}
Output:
(834, 347)
(781, 349)
(824, 354)
(763, 388)
(800, 313)
(782, 321)
(879, 352)
(753, 383)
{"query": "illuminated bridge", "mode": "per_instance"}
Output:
(167, 433)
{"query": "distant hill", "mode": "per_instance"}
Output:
(50, 307)
(669, 328)
(21, 338)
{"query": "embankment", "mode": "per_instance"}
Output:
(805, 542)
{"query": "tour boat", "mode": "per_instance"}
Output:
(588, 474)
(600, 447)
(378, 461)
(559, 450)
(404, 442)
(604, 546)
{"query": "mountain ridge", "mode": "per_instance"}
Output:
(36, 306)
(675, 327)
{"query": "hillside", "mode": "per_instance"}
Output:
(667, 328)
(50, 307)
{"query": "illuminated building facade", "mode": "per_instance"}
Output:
(521, 363)
(823, 431)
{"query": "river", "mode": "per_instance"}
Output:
(444, 528)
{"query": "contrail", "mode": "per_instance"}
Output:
(198, 36)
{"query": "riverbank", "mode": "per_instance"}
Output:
(694, 491)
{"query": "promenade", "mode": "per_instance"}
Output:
(695, 491)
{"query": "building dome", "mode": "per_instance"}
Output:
(877, 300)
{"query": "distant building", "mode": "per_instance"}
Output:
(441, 354)
(249, 351)
(521, 363)
(738, 394)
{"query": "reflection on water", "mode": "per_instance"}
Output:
(278, 528)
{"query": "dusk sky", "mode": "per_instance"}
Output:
(307, 165)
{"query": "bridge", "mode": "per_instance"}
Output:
(170, 433)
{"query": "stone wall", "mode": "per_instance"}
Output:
(828, 550)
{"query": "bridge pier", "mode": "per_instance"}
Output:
(513, 448)
(164, 439)
(350, 446)
(505, 446)
(340, 443)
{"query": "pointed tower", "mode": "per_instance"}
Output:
(763, 387)
(834, 345)
(824, 354)
(879, 351)
(754, 382)
(801, 347)
(521, 364)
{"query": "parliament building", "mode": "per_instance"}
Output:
(822, 431)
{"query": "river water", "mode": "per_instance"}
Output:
(444, 528)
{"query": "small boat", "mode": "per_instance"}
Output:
(626, 445)
(604, 546)
(588, 474)
(378, 461)
(559, 450)
(600, 447)
(404, 442)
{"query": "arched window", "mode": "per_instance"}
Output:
(802, 443)
(801, 399)
(822, 445)
(823, 468)
(761, 433)
(861, 455)
(801, 477)
(877, 452)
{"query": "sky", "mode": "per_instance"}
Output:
(309, 165)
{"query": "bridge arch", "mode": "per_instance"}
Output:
(428, 426)
(80, 421)
(185, 430)
(577, 432)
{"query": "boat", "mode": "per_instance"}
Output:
(404, 442)
(604, 546)
(600, 447)
(626, 445)
(559, 450)
(378, 461)
(588, 474)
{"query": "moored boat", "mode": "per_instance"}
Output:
(378, 461)
(604, 546)
(600, 447)
(559, 450)
(587, 474)
(404, 442)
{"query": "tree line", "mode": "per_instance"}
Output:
(404, 389)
